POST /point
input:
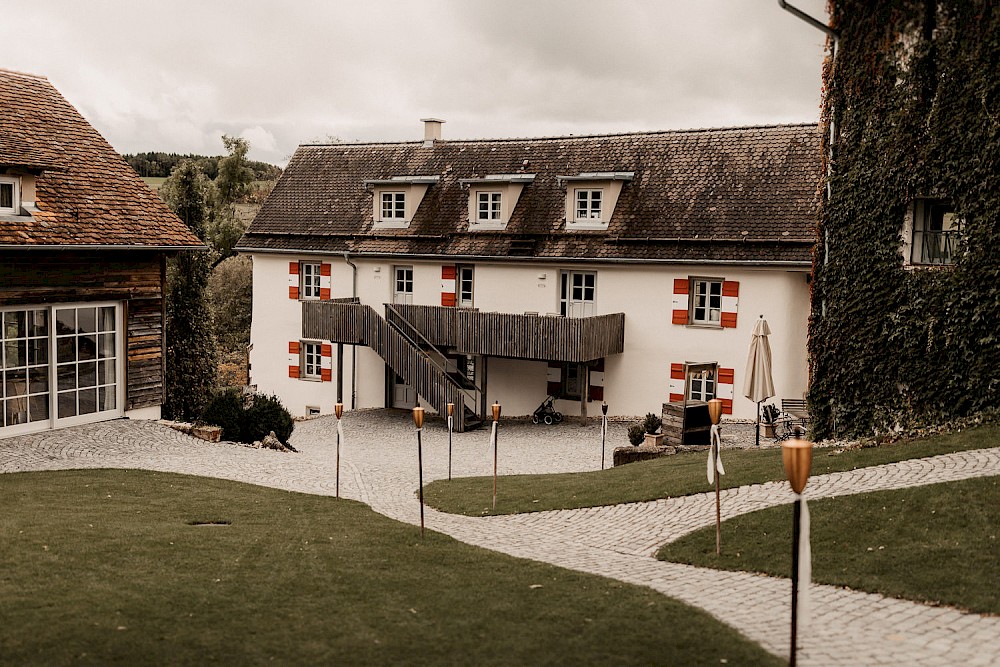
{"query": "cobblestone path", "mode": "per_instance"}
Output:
(379, 468)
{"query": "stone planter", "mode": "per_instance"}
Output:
(654, 439)
(767, 430)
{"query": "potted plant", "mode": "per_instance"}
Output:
(636, 434)
(651, 428)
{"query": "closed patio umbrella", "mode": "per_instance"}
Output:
(759, 385)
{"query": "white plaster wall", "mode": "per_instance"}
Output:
(635, 382)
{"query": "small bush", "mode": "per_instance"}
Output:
(264, 415)
(248, 423)
(225, 409)
(652, 423)
(636, 434)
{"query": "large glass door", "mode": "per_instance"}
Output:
(62, 365)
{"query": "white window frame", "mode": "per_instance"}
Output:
(701, 382)
(402, 276)
(310, 360)
(309, 280)
(577, 300)
(392, 205)
(489, 206)
(15, 200)
(585, 203)
(706, 296)
(464, 285)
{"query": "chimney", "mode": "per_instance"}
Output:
(432, 130)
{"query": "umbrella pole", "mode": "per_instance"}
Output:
(758, 424)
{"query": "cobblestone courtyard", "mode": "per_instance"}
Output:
(379, 468)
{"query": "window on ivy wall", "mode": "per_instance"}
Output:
(936, 230)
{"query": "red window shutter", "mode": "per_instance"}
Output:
(596, 393)
(676, 398)
(680, 301)
(324, 283)
(293, 359)
(326, 374)
(726, 380)
(730, 294)
(677, 371)
(293, 280)
(554, 379)
(448, 299)
(727, 406)
(293, 268)
(726, 375)
(326, 350)
(293, 292)
(448, 272)
(448, 287)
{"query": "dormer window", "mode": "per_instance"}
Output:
(397, 199)
(492, 199)
(591, 197)
(393, 205)
(10, 203)
(489, 206)
(588, 204)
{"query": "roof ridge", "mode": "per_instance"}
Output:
(566, 137)
(15, 72)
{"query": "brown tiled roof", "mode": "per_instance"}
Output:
(86, 194)
(742, 194)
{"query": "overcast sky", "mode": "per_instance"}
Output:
(175, 75)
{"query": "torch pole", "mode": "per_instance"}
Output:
(418, 421)
(604, 430)
(338, 410)
(451, 417)
(715, 440)
(718, 506)
(496, 439)
(796, 526)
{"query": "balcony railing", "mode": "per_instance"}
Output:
(935, 247)
(515, 336)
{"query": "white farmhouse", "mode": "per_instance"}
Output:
(627, 269)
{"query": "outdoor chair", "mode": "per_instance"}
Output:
(797, 413)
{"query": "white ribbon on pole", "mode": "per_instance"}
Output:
(340, 434)
(451, 422)
(805, 566)
(714, 454)
(493, 443)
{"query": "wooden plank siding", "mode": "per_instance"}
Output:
(359, 324)
(41, 277)
(438, 324)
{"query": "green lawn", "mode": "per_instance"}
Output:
(118, 567)
(672, 476)
(154, 182)
(936, 543)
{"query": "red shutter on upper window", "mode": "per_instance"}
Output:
(680, 301)
(595, 381)
(730, 302)
(293, 280)
(293, 359)
(324, 281)
(448, 274)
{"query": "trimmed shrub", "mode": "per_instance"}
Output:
(636, 434)
(266, 414)
(652, 423)
(248, 423)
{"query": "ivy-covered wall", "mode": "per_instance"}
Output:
(914, 94)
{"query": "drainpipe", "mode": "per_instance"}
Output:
(354, 348)
(834, 42)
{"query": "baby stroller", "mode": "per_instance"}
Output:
(546, 413)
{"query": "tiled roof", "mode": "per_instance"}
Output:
(86, 194)
(742, 194)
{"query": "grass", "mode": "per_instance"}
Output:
(936, 543)
(672, 476)
(132, 567)
(154, 182)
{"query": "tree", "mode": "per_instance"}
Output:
(232, 185)
(191, 347)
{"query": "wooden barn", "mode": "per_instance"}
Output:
(83, 248)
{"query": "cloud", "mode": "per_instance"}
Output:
(174, 76)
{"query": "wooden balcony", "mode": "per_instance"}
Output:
(514, 336)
